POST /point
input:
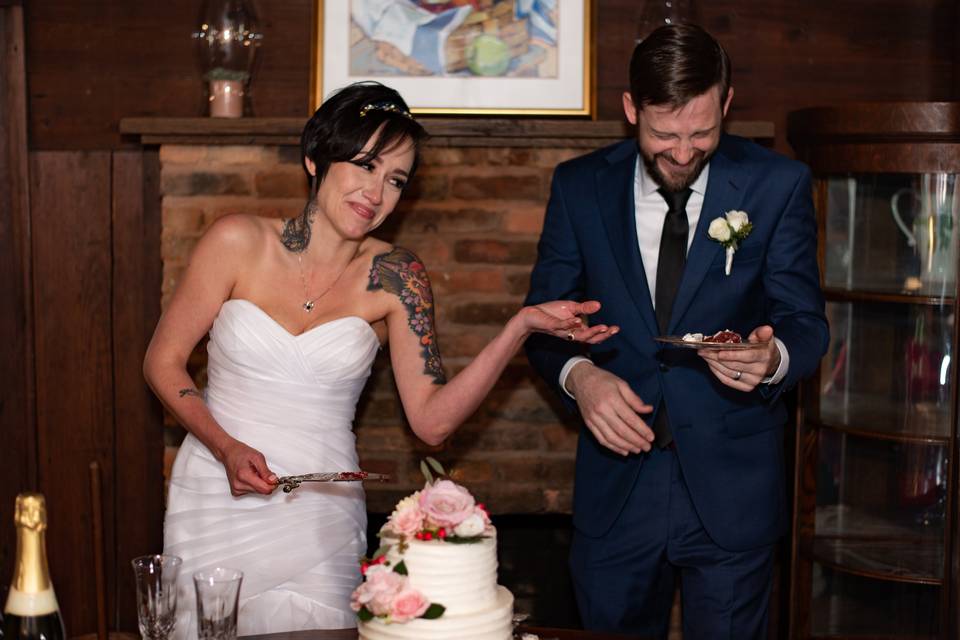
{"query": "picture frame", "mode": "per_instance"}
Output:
(460, 57)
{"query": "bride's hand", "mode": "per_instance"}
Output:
(561, 318)
(247, 470)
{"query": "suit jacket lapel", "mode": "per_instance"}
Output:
(725, 191)
(618, 212)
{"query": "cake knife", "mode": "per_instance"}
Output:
(289, 483)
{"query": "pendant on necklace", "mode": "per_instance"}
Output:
(308, 306)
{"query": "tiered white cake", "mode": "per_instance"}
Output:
(438, 579)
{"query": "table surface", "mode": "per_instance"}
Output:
(351, 634)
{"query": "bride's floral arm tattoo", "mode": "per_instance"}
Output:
(401, 273)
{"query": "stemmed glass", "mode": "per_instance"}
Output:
(156, 577)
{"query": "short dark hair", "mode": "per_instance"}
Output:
(675, 64)
(346, 121)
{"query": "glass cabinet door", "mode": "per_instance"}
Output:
(878, 548)
(888, 370)
(848, 605)
(882, 411)
(893, 233)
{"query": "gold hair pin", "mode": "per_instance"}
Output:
(390, 107)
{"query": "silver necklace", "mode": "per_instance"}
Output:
(310, 303)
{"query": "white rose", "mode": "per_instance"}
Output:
(406, 518)
(472, 526)
(410, 501)
(737, 219)
(719, 230)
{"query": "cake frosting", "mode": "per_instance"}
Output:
(495, 623)
(435, 575)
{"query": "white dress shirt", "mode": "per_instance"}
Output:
(651, 211)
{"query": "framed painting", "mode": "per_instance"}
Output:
(490, 57)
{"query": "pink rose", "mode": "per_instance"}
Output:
(406, 519)
(381, 587)
(446, 504)
(407, 605)
(355, 603)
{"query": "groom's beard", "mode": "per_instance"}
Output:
(675, 181)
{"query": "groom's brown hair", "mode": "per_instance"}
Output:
(675, 64)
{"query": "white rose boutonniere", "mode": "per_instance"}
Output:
(729, 230)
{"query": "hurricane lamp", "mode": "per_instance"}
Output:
(228, 38)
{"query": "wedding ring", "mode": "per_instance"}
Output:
(737, 377)
(570, 336)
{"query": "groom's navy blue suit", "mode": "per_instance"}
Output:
(728, 443)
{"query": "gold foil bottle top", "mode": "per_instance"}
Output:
(31, 512)
(31, 575)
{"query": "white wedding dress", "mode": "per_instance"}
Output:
(292, 398)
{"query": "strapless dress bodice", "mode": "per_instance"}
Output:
(259, 369)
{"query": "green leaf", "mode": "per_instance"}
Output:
(436, 466)
(433, 612)
(426, 472)
(382, 551)
(400, 568)
(364, 614)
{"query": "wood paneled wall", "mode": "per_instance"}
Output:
(92, 63)
(137, 419)
(17, 464)
(95, 249)
(92, 248)
(79, 241)
(70, 193)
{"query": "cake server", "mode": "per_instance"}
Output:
(289, 483)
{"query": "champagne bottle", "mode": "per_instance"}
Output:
(31, 612)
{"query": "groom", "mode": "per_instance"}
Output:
(680, 469)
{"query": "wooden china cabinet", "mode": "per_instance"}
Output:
(875, 538)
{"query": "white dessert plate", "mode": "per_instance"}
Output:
(678, 341)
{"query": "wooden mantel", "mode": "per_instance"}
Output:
(451, 132)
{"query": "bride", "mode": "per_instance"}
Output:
(296, 311)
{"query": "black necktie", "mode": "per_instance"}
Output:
(673, 255)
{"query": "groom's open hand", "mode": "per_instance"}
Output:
(610, 409)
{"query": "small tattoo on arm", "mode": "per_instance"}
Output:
(401, 273)
(190, 392)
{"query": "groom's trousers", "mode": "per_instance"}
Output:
(625, 579)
